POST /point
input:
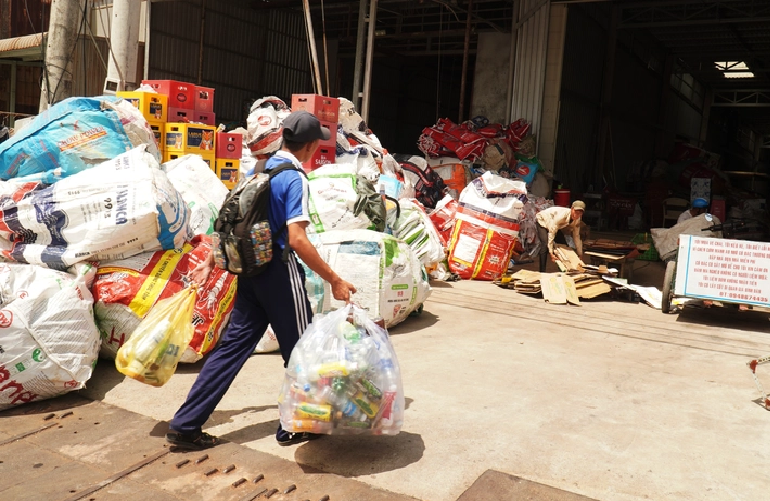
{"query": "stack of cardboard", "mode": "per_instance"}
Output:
(576, 281)
(558, 288)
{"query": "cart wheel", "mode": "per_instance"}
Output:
(668, 282)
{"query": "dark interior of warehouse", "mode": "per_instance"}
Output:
(620, 93)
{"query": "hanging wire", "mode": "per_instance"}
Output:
(96, 45)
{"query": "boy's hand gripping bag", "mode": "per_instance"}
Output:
(343, 378)
(153, 351)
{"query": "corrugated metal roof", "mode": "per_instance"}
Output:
(25, 46)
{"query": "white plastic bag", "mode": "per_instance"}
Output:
(414, 227)
(264, 125)
(200, 188)
(113, 211)
(389, 277)
(50, 342)
(343, 378)
(333, 196)
(268, 343)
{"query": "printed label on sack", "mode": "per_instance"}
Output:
(150, 290)
(467, 249)
(82, 138)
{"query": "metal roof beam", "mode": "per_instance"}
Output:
(693, 22)
(739, 99)
(677, 13)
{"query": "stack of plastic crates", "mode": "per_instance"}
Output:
(650, 254)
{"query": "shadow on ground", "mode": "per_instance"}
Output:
(413, 324)
(246, 434)
(726, 318)
(352, 456)
(104, 378)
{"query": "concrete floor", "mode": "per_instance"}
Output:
(611, 400)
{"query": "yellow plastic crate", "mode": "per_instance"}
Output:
(153, 106)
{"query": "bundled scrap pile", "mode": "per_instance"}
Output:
(507, 150)
(95, 233)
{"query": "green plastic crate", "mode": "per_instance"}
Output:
(650, 254)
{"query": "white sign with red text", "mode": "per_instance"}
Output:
(723, 270)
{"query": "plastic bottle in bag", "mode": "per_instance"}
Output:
(148, 349)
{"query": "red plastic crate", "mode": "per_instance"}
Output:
(322, 156)
(180, 94)
(229, 145)
(204, 99)
(332, 141)
(326, 109)
(180, 115)
(205, 117)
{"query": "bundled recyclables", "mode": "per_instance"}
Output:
(115, 210)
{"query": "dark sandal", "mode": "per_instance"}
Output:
(192, 441)
(284, 437)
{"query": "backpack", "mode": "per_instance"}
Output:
(242, 240)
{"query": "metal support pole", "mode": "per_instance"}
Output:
(369, 58)
(359, 54)
(124, 41)
(200, 47)
(466, 48)
(313, 53)
(147, 29)
(12, 107)
(62, 35)
(512, 60)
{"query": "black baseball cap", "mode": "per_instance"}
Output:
(304, 127)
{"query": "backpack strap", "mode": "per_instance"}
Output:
(284, 229)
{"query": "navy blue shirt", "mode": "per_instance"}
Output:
(289, 193)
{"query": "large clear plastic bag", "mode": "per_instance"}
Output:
(343, 378)
(153, 351)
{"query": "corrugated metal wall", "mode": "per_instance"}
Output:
(247, 54)
(529, 76)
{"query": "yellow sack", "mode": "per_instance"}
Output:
(152, 352)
